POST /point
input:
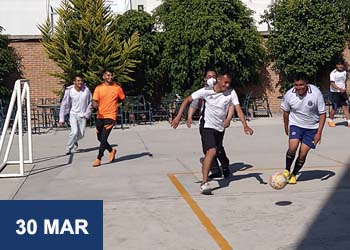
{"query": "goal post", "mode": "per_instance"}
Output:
(20, 94)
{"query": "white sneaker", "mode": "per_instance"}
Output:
(205, 188)
(76, 146)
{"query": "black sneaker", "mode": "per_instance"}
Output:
(226, 172)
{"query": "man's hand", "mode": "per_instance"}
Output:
(175, 122)
(248, 130)
(227, 123)
(286, 130)
(342, 90)
(317, 139)
(189, 122)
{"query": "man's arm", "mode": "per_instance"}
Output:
(94, 104)
(231, 110)
(184, 104)
(190, 113)
(63, 107)
(286, 121)
(336, 87)
(318, 134)
(241, 117)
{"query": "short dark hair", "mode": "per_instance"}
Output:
(106, 70)
(227, 73)
(78, 75)
(300, 76)
(210, 69)
(340, 61)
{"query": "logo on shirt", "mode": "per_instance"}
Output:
(310, 103)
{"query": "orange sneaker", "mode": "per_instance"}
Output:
(112, 155)
(331, 124)
(96, 163)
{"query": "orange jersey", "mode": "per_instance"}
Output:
(107, 97)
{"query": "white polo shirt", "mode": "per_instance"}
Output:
(304, 110)
(216, 106)
(339, 78)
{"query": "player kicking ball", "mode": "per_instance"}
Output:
(216, 117)
(304, 116)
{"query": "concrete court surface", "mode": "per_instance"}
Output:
(151, 192)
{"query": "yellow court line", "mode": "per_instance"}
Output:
(220, 240)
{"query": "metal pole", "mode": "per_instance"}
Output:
(29, 122)
(20, 130)
(8, 116)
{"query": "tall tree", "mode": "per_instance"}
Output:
(84, 41)
(9, 66)
(212, 33)
(148, 76)
(306, 36)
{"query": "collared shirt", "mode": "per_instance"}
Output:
(216, 106)
(304, 110)
(339, 78)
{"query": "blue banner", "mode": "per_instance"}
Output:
(51, 224)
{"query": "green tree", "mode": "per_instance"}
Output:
(9, 66)
(147, 76)
(84, 41)
(213, 33)
(305, 36)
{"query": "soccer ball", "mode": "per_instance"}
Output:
(278, 181)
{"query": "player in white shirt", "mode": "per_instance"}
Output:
(220, 102)
(338, 94)
(77, 103)
(209, 81)
(304, 115)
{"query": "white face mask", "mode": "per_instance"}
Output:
(211, 82)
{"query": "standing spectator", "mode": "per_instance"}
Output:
(338, 93)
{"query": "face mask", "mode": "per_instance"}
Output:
(211, 82)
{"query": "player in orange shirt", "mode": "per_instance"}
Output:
(105, 99)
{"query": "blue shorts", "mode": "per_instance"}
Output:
(305, 135)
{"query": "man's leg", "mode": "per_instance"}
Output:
(74, 131)
(209, 147)
(307, 142)
(221, 154)
(335, 98)
(346, 113)
(295, 135)
(106, 130)
(208, 159)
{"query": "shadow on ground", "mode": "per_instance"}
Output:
(45, 169)
(315, 174)
(235, 168)
(331, 228)
(345, 124)
(132, 156)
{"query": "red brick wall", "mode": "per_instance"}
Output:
(36, 67)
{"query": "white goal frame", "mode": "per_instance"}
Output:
(19, 94)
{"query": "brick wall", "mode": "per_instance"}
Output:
(36, 67)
